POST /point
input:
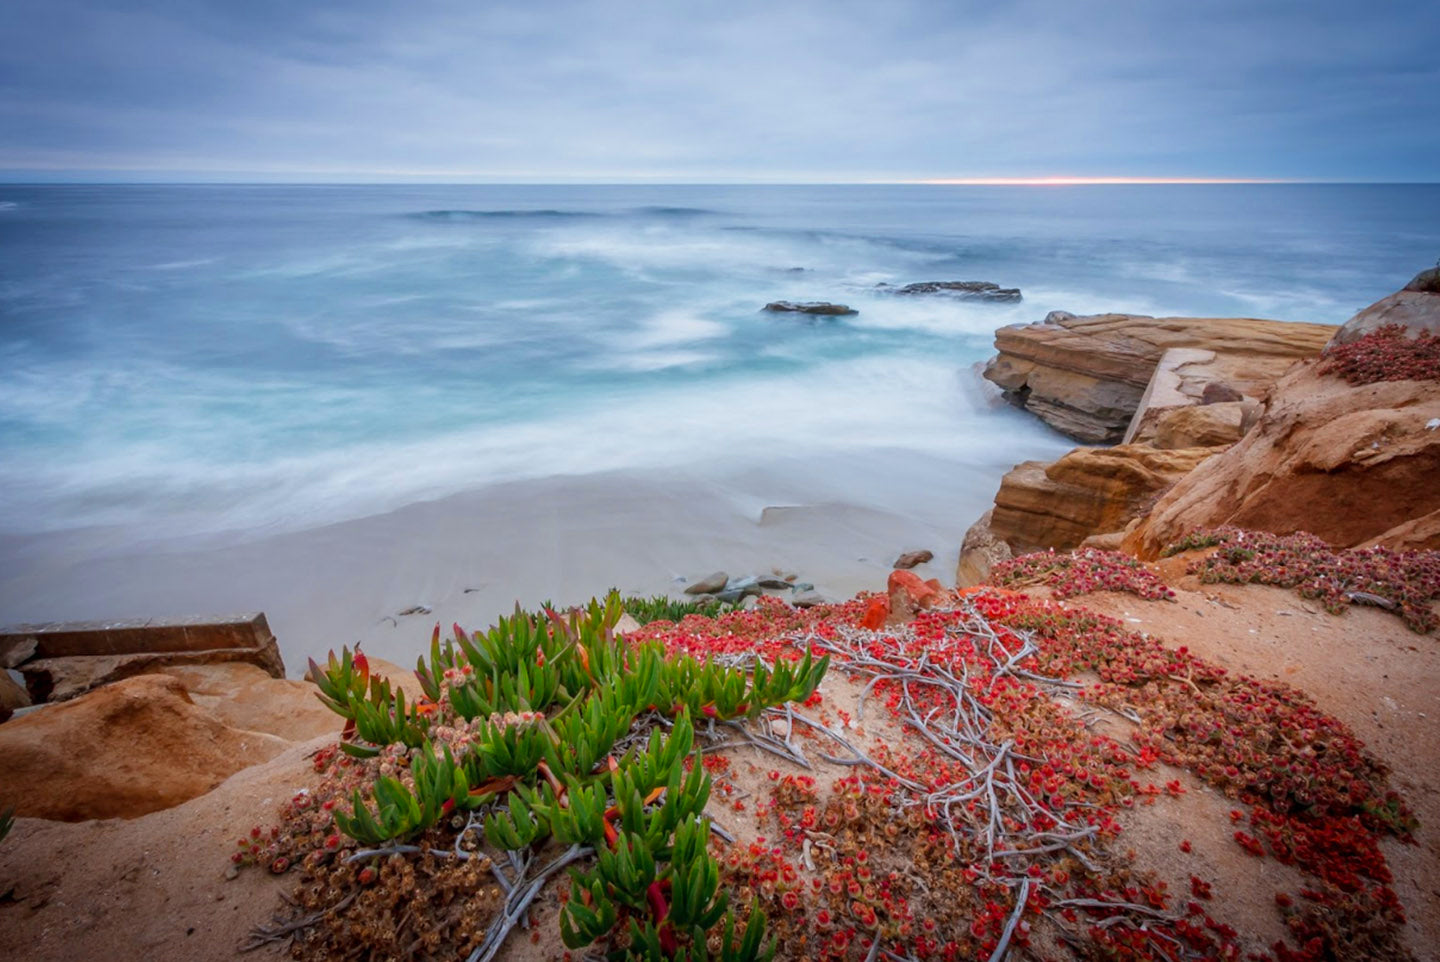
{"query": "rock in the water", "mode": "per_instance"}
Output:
(136, 746)
(969, 290)
(823, 308)
(1088, 376)
(708, 585)
(1415, 308)
(912, 558)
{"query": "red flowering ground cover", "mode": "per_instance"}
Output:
(1406, 582)
(1080, 572)
(1385, 354)
(994, 824)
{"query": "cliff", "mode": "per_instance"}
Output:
(1087, 376)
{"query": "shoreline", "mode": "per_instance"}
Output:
(471, 557)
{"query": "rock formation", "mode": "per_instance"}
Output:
(823, 308)
(1354, 464)
(967, 290)
(1087, 376)
(1351, 464)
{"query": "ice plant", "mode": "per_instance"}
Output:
(1080, 572)
(1387, 353)
(1405, 582)
(549, 727)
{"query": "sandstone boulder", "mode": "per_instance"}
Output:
(1352, 464)
(1086, 492)
(136, 746)
(1201, 425)
(1087, 376)
(1416, 307)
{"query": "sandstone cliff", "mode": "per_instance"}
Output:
(1087, 376)
(1351, 464)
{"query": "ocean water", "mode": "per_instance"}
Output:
(188, 360)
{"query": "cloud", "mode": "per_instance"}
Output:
(835, 90)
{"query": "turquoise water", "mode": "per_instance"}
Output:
(190, 359)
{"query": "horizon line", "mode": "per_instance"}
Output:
(924, 182)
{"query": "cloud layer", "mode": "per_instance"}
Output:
(703, 91)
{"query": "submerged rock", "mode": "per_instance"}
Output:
(822, 308)
(968, 290)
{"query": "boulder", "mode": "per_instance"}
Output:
(912, 558)
(1086, 492)
(1087, 376)
(968, 290)
(1202, 425)
(136, 746)
(807, 599)
(823, 308)
(709, 584)
(981, 551)
(1351, 464)
(1416, 308)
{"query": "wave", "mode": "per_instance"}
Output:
(8, 205)
(522, 214)
(656, 210)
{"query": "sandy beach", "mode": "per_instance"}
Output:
(472, 556)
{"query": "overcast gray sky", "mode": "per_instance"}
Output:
(833, 90)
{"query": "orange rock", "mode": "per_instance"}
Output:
(875, 613)
(916, 590)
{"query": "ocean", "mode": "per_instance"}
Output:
(240, 362)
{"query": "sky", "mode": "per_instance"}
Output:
(697, 91)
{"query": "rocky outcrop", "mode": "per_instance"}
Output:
(966, 290)
(1087, 492)
(823, 308)
(981, 551)
(1352, 464)
(1416, 307)
(137, 746)
(1088, 376)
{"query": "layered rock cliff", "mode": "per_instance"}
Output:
(1259, 438)
(1087, 376)
(1352, 464)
